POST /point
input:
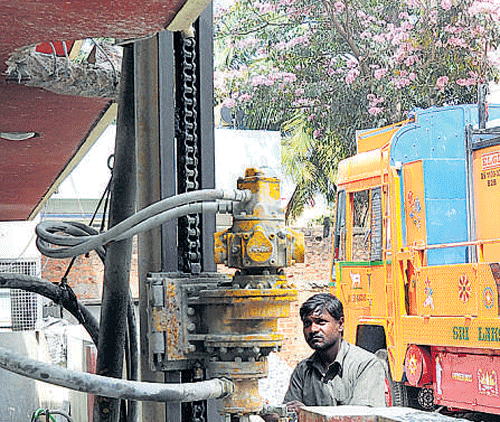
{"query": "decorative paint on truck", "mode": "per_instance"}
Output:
(416, 255)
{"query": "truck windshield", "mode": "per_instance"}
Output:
(364, 213)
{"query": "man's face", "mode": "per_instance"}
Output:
(321, 330)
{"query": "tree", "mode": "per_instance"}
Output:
(321, 70)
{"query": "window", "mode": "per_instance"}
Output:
(366, 240)
(339, 236)
(361, 233)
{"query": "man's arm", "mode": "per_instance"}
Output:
(295, 389)
(369, 389)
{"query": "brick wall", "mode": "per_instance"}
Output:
(310, 277)
(86, 274)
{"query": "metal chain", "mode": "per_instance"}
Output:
(189, 228)
(199, 408)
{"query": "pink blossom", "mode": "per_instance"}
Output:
(411, 60)
(244, 97)
(373, 100)
(453, 29)
(433, 16)
(441, 82)
(398, 38)
(373, 107)
(399, 55)
(311, 117)
(380, 73)
(446, 4)
(265, 7)
(484, 6)
(412, 76)
(299, 91)
(465, 82)
(289, 77)
(258, 80)
(229, 102)
(375, 110)
(413, 3)
(351, 63)
(339, 7)
(302, 40)
(401, 82)
(246, 42)
(352, 75)
(317, 133)
(406, 26)
(457, 42)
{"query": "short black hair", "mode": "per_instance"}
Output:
(321, 301)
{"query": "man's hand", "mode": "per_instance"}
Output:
(293, 406)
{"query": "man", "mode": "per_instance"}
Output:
(337, 373)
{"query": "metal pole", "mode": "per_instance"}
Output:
(115, 296)
(206, 128)
(148, 172)
(168, 158)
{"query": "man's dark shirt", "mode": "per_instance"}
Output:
(356, 377)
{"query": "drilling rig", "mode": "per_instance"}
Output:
(228, 324)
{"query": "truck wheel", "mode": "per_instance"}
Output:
(395, 392)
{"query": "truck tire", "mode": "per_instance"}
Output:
(395, 392)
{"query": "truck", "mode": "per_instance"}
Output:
(416, 255)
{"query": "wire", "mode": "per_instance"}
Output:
(83, 239)
(56, 294)
(39, 412)
(101, 49)
(48, 413)
(60, 412)
(114, 387)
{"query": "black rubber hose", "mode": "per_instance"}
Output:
(58, 295)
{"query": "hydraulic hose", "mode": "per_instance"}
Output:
(81, 241)
(114, 387)
(57, 295)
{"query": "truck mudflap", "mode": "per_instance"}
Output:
(465, 378)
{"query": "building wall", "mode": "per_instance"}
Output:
(86, 275)
(310, 278)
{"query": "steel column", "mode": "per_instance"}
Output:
(115, 300)
(206, 129)
(148, 171)
(168, 173)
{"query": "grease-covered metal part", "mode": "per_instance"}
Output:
(230, 323)
(114, 387)
(258, 240)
